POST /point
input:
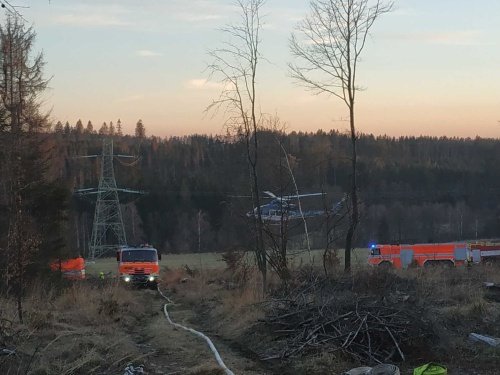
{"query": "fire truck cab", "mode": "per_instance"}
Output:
(139, 265)
(485, 252)
(420, 255)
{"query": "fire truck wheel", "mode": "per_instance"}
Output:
(439, 263)
(385, 264)
(491, 261)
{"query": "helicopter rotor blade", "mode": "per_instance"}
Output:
(272, 195)
(302, 195)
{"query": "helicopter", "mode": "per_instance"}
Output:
(282, 208)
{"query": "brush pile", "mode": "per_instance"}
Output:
(322, 314)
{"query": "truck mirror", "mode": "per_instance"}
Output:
(117, 256)
(159, 256)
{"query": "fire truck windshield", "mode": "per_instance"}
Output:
(139, 255)
(375, 251)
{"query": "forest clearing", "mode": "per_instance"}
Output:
(242, 225)
(99, 326)
(214, 261)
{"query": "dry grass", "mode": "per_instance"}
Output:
(206, 370)
(96, 328)
(318, 364)
(452, 300)
(240, 308)
(79, 330)
(233, 307)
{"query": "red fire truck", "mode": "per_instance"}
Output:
(421, 255)
(71, 269)
(139, 265)
(484, 252)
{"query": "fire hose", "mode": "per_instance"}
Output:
(197, 333)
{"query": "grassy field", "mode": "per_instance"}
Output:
(211, 261)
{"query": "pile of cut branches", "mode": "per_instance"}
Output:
(326, 315)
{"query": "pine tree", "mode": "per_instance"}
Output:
(90, 127)
(104, 129)
(67, 128)
(79, 127)
(119, 128)
(111, 130)
(59, 127)
(23, 151)
(140, 130)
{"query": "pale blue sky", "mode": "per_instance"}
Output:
(430, 67)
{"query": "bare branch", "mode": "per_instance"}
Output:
(235, 67)
(334, 35)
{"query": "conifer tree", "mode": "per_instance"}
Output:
(104, 129)
(140, 130)
(90, 127)
(26, 188)
(79, 127)
(119, 131)
(59, 127)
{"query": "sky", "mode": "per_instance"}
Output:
(431, 67)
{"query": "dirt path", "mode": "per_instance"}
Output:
(170, 350)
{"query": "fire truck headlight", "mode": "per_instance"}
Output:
(126, 279)
(151, 278)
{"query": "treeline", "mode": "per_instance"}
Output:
(104, 129)
(413, 189)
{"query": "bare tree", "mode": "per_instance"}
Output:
(335, 223)
(22, 126)
(235, 66)
(23, 243)
(332, 38)
(278, 235)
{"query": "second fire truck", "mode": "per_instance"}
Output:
(433, 254)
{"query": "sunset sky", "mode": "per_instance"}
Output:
(431, 67)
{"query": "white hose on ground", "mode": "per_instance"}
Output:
(164, 296)
(206, 338)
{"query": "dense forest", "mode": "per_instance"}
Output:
(413, 189)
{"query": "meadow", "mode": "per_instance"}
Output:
(211, 261)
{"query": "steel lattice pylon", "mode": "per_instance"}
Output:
(108, 232)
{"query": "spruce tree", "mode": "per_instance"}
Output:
(104, 129)
(90, 127)
(59, 127)
(79, 127)
(24, 240)
(140, 130)
(119, 131)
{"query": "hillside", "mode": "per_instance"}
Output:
(412, 189)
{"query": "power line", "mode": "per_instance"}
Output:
(12, 9)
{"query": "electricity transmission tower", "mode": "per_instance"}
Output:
(108, 232)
